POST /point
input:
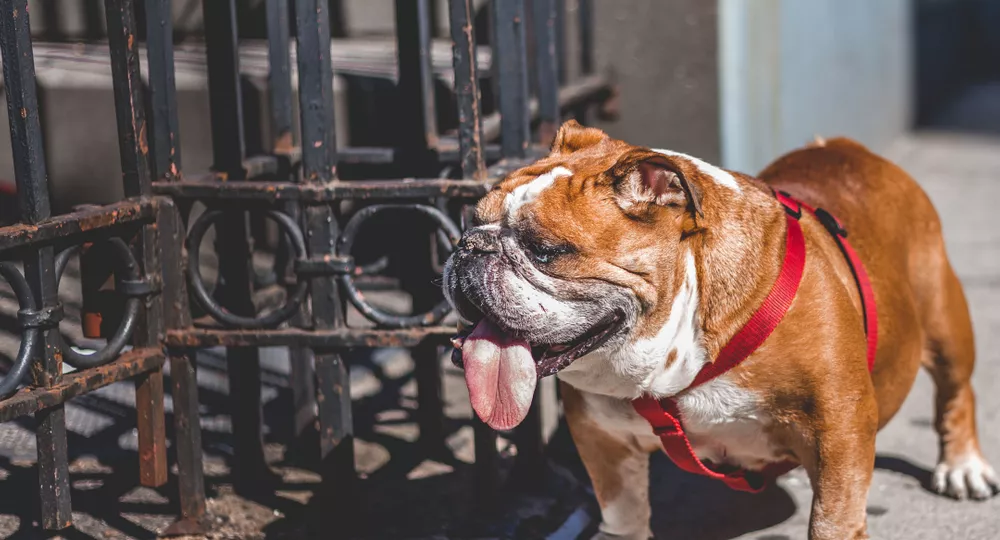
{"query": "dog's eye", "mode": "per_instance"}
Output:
(544, 254)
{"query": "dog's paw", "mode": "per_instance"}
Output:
(965, 477)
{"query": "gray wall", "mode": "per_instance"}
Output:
(664, 54)
(793, 69)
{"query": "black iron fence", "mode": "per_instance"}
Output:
(327, 201)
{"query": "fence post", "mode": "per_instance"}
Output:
(233, 244)
(319, 166)
(166, 164)
(39, 268)
(132, 130)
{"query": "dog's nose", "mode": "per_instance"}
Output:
(480, 241)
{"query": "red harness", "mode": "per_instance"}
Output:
(664, 416)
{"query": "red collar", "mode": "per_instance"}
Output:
(664, 416)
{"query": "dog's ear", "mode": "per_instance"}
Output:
(573, 137)
(647, 177)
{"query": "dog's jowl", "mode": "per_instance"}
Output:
(726, 319)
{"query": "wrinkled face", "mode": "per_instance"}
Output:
(567, 256)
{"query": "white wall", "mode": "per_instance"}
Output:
(793, 69)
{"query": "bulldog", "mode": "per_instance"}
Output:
(625, 270)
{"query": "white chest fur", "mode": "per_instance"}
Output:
(724, 422)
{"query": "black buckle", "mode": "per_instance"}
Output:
(831, 223)
(786, 200)
(755, 480)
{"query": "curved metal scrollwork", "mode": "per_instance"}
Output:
(346, 242)
(219, 313)
(128, 282)
(29, 334)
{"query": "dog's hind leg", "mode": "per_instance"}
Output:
(961, 471)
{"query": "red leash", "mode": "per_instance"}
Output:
(664, 416)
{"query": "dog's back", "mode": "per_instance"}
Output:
(922, 311)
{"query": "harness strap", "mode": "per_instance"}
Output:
(665, 417)
(833, 225)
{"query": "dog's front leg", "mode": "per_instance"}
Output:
(618, 469)
(840, 469)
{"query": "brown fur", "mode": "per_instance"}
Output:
(826, 406)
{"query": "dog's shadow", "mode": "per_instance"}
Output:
(686, 505)
(689, 506)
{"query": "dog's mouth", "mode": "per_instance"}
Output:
(502, 368)
(551, 358)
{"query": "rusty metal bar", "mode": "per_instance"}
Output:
(134, 149)
(418, 114)
(319, 166)
(184, 389)
(76, 226)
(127, 85)
(130, 364)
(470, 127)
(512, 73)
(151, 428)
(547, 67)
(165, 141)
(39, 265)
(331, 338)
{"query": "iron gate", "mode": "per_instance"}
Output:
(150, 242)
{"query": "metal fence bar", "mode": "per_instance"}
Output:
(319, 166)
(586, 18)
(127, 84)
(224, 96)
(512, 73)
(470, 138)
(187, 425)
(416, 79)
(165, 140)
(279, 76)
(510, 56)
(250, 469)
(166, 164)
(547, 65)
(39, 268)
(470, 126)
(560, 29)
(419, 120)
(301, 377)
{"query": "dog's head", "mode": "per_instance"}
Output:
(578, 252)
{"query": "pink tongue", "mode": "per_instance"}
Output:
(500, 374)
